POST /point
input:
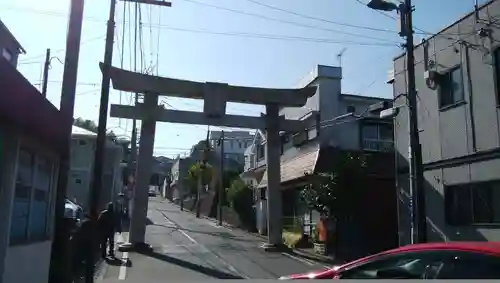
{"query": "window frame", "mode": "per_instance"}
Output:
(465, 258)
(447, 78)
(30, 236)
(450, 213)
(380, 142)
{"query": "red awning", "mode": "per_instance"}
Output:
(22, 106)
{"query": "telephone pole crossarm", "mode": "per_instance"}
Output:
(151, 2)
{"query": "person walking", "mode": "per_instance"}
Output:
(109, 224)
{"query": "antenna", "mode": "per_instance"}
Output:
(339, 56)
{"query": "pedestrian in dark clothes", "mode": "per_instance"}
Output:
(109, 224)
(85, 237)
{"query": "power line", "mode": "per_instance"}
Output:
(26, 60)
(285, 21)
(420, 31)
(51, 13)
(281, 37)
(320, 19)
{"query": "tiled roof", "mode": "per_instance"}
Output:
(296, 167)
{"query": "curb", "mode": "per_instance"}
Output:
(298, 252)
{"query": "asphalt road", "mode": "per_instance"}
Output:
(186, 247)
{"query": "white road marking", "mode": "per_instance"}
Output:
(232, 268)
(308, 262)
(123, 268)
(187, 236)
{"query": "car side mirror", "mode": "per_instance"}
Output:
(394, 273)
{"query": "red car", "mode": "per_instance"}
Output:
(458, 260)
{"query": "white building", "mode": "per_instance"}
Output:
(82, 158)
(235, 143)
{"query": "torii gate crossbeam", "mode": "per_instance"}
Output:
(215, 96)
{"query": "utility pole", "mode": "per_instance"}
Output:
(415, 154)
(133, 139)
(100, 150)
(417, 190)
(59, 257)
(46, 73)
(221, 176)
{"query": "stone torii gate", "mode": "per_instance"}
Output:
(215, 97)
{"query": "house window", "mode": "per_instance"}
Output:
(473, 203)
(377, 137)
(41, 195)
(30, 212)
(7, 55)
(260, 152)
(451, 87)
(351, 109)
(22, 197)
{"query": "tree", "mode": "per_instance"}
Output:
(332, 194)
(193, 174)
(240, 198)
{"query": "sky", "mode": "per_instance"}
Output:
(265, 43)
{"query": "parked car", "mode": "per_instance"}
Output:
(72, 210)
(152, 192)
(457, 260)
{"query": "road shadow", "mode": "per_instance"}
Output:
(198, 268)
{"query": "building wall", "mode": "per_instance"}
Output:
(331, 103)
(459, 131)
(234, 145)
(8, 44)
(82, 159)
(33, 245)
(17, 269)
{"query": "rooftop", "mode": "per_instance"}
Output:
(4, 27)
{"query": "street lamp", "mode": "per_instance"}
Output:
(382, 5)
(418, 215)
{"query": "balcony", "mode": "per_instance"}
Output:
(377, 145)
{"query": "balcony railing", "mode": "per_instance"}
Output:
(378, 145)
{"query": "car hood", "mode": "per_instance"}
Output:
(322, 274)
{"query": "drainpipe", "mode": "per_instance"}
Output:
(471, 100)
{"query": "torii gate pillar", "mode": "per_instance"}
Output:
(143, 174)
(274, 210)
